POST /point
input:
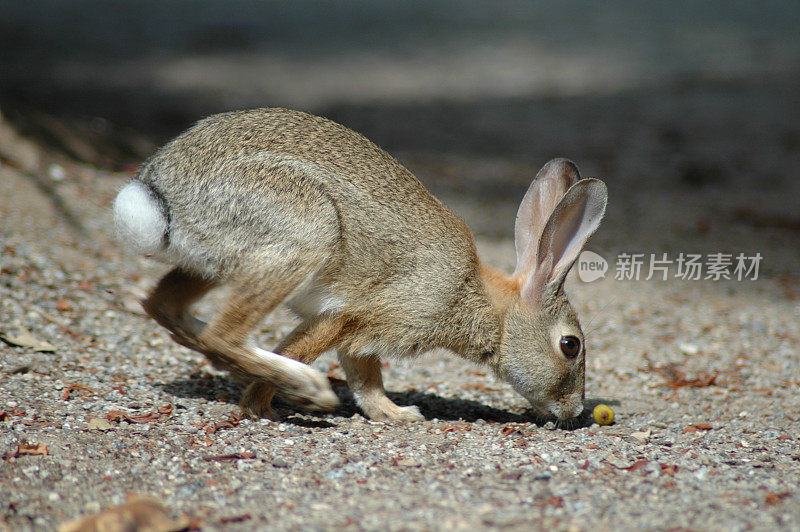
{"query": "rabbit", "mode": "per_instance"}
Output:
(284, 206)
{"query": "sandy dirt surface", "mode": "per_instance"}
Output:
(98, 403)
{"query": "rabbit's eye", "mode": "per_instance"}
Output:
(570, 346)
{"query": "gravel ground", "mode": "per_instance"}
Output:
(702, 375)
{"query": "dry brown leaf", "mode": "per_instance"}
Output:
(697, 427)
(150, 417)
(140, 513)
(32, 449)
(512, 428)
(509, 429)
(23, 338)
(118, 415)
(636, 466)
(82, 389)
(230, 423)
(676, 378)
(456, 428)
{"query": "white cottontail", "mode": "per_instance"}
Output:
(286, 206)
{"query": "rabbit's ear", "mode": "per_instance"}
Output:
(546, 190)
(574, 219)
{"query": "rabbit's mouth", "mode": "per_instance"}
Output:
(562, 410)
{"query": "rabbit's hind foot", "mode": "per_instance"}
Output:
(257, 399)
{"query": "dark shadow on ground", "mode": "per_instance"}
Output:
(433, 406)
(217, 388)
(213, 388)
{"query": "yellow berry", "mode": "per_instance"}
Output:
(603, 415)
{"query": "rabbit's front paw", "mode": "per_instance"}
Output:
(381, 408)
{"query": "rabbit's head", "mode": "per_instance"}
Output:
(542, 353)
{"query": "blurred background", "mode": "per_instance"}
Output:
(689, 110)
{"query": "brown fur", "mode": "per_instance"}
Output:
(286, 206)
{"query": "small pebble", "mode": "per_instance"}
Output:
(280, 462)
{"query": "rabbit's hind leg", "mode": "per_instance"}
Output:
(305, 343)
(170, 301)
(226, 341)
(366, 383)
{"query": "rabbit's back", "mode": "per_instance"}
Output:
(313, 140)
